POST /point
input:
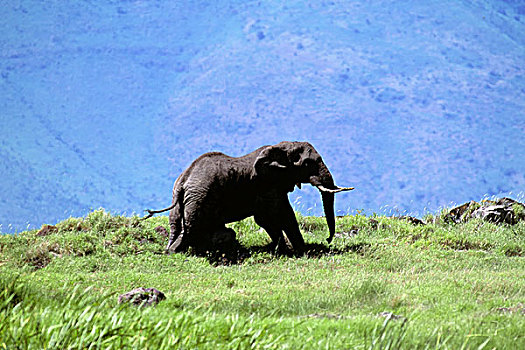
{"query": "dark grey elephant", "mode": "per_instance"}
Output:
(217, 189)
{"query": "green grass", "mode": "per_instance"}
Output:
(454, 285)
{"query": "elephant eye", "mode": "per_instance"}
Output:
(309, 163)
(296, 157)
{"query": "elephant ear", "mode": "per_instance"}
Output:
(272, 159)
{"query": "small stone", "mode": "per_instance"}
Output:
(348, 234)
(46, 230)
(161, 230)
(329, 316)
(519, 309)
(390, 315)
(142, 297)
(412, 220)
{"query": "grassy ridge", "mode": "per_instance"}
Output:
(447, 286)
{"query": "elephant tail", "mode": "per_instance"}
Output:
(176, 197)
(153, 212)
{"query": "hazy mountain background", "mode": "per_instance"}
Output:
(418, 104)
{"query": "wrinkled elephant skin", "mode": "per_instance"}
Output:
(218, 189)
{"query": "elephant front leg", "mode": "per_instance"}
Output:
(277, 215)
(291, 227)
(274, 231)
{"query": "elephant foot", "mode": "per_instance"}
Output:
(285, 248)
(176, 246)
(223, 240)
(280, 247)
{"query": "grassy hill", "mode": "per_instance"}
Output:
(383, 283)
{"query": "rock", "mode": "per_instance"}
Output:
(518, 208)
(46, 230)
(142, 297)
(390, 315)
(329, 316)
(461, 213)
(503, 210)
(352, 233)
(519, 309)
(373, 223)
(495, 213)
(412, 220)
(161, 230)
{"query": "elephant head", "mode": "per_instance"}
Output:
(290, 164)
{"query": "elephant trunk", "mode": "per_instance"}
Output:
(328, 207)
(325, 183)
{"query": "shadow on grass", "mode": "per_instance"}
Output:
(239, 254)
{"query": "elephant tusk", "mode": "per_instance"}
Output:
(338, 189)
(276, 164)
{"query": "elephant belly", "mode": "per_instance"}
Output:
(235, 208)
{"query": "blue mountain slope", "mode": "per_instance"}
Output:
(416, 104)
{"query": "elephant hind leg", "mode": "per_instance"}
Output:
(201, 232)
(176, 228)
(222, 239)
(178, 245)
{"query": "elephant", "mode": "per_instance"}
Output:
(217, 189)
